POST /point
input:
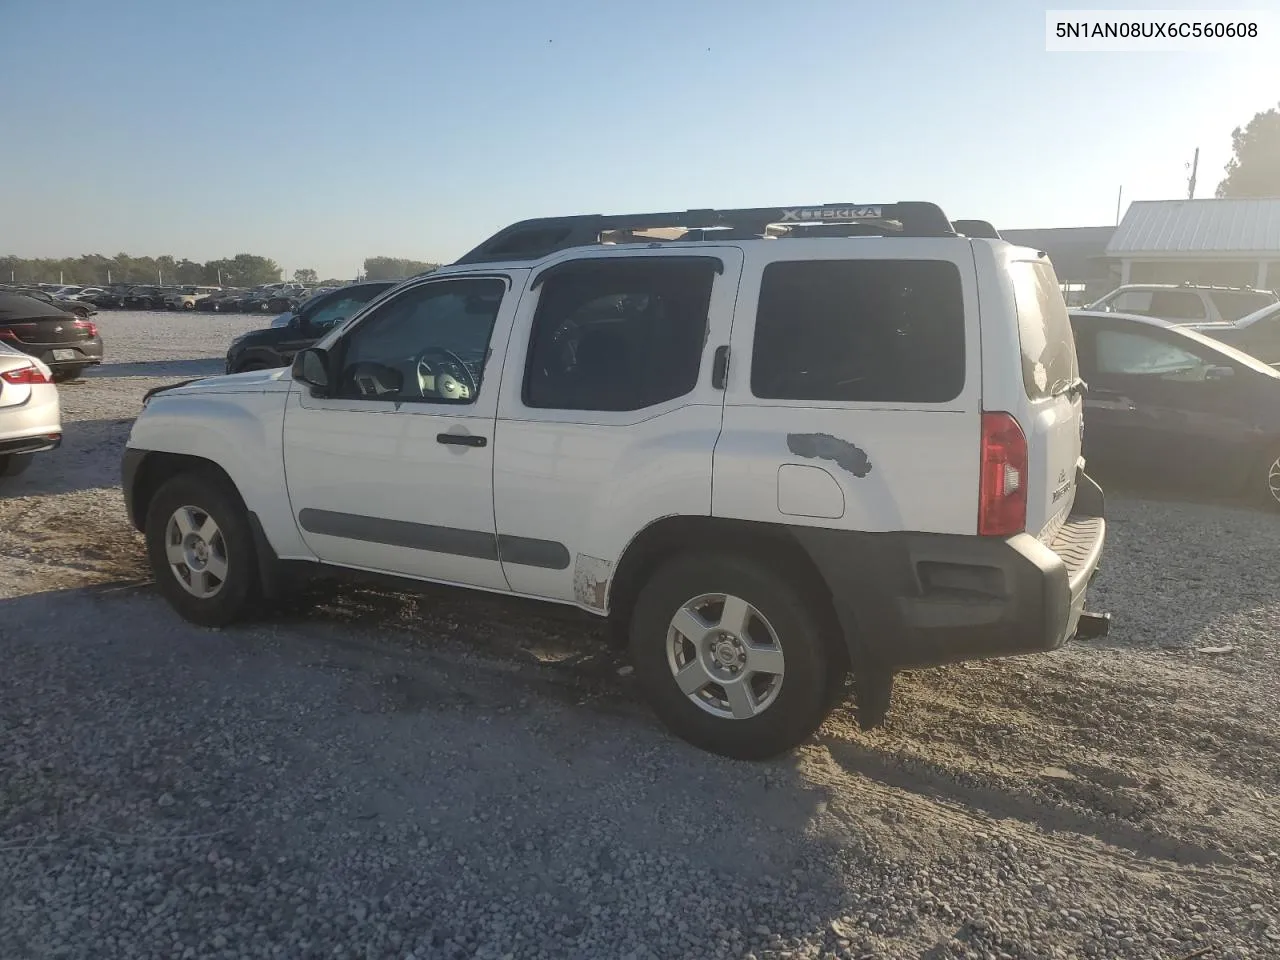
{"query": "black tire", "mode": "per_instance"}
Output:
(811, 669)
(66, 374)
(214, 497)
(188, 306)
(12, 464)
(82, 313)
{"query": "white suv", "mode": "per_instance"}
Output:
(783, 446)
(187, 297)
(1185, 303)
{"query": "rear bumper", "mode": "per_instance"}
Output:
(84, 352)
(32, 444)
(914, 599)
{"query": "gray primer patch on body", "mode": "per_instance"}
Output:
(823, 446)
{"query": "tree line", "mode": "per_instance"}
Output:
(242, 270)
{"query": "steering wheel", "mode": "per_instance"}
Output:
(450, 379)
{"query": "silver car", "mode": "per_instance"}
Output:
(30, 416)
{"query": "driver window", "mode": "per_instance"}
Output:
(428, 345)
(1133, 354)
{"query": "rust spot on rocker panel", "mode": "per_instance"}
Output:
(591, 581)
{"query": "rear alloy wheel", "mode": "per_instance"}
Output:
(201, 549)
(732, 656)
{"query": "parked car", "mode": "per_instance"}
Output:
(218, 301)
(65, 344)
(82, 310)
(186, 298)
(1257, 334)
(275, 346)
(258, 301)
(540, 419)
(1170, 406)
(1185, 303)
(111, 296)
(145, 298)
(30, 416)
(86, 294)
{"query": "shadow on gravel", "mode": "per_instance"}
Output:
(89, 458)
(160, 369)
(1000, 805)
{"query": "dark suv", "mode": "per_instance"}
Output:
(275, 346)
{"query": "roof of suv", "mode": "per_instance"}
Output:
(532, 240)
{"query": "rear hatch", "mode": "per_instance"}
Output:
(1053, 418)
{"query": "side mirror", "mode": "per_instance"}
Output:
(1220, 372)
(311, 366)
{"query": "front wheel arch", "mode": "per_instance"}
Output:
(158, 467)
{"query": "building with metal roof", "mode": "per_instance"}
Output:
(1233, 242)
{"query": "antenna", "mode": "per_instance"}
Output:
(1191, 183)
(1118, 196)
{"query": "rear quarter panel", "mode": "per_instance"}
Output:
(857, 466)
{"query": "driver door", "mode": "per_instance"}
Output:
(393, 471)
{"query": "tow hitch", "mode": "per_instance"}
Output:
(1093, 626)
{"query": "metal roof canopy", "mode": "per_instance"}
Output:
(533, 239)
(1238, 227)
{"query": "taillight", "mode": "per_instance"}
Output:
(1002, 485)
(88, 326)
(25, 375)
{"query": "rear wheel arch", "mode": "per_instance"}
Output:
(770, 545)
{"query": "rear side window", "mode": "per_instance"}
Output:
(1044, 329)
(1234, 304)
(889, 331)
(618, 335)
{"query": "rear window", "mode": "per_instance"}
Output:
(1044, 329)
(889, 331)
(1234, 304)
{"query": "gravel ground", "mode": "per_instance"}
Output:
(454, 775)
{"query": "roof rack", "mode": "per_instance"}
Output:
(976, 229)
(533, 239)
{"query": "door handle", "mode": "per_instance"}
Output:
(462, 439)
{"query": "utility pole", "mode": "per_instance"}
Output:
(1191, 184)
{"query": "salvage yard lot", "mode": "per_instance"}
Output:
(371, 774)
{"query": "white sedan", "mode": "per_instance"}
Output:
(30, 416)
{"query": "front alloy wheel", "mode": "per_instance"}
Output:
(201, 548)
(197, 552)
